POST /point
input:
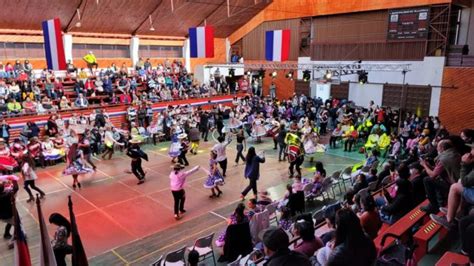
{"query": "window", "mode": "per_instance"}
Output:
(13, 51)
(101, 50)
(160, 51)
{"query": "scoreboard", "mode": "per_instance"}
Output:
(408, 24)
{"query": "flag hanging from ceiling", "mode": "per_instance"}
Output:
(201, 42)
(277, 45)
(46, 250)
(79, 257)
(22, 253)
(53, 44)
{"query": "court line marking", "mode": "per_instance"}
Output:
(218, 215)
(120, 257)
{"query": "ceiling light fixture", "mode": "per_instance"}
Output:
(151, 23)
(78, 23)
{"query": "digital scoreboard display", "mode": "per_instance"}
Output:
(408, 24)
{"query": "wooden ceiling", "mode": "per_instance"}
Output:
(170, 17)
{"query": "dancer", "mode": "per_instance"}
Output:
(177, 181)
(175, 146)
(85, 146)
(184, 146)
(29, 177)
(137, 154)
(219, 149)
(194, 137)
(295, 153)
(233, 123)
(258, 129)
(252, 171)
(214, 179)
(75, 165)
(241, 146)
(109, 142)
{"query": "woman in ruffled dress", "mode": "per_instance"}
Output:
(258, 128)
(7, 162)
(215, 178)
(75, 164)
(50, 153)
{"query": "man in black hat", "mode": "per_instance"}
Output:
(275, 244)
(137, 154)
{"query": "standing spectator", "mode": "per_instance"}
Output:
(5, 131)
(6, 209)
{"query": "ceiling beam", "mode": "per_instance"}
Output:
(66, 29)
(146, 18)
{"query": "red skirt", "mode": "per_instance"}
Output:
(7, 163)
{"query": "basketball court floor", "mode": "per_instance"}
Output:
(122, 223)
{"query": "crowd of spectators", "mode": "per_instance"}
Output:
(26, 91)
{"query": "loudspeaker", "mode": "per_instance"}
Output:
(465, 49)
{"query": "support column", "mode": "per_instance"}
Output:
(134, 44)
(187, 55)
(227, 50)
(67, 43)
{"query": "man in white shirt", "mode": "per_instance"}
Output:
(81, 101)
(219, 149)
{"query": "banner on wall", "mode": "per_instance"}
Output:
(201, 42)
(53, 44)
(277, 45)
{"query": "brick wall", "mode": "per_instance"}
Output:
(456, 109)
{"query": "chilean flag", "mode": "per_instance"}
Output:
(21, 251)
(277, 45)
(53, 44)
(201, 41)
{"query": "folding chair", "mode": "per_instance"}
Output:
(236, 262)
(336, 181)
(272, 208)
(203, 246)
(307, 189)
(175, 258)
(346, 176)
(157, 262)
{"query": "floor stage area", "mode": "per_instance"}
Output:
(122, 223)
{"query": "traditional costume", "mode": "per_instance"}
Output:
(214, 177)
(258, 129)
(7, 162)
(50, 153)
(233, 121)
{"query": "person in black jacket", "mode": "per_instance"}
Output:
(416, 178)
(204, 125)
(351, 246)
(275, 244)
(281, 143)
(252, 171)
(137, 154)
(6, 208)
(400, 205)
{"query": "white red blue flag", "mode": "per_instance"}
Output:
(201, 42)
(53, 44)
(46, 250)
(21, 251)
(277, 45)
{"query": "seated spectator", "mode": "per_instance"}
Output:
(3, 90)
(352, 246)
(70, 67)
(29, 106)
(463, 190)
(235, 218)
(440, 178)
(330, 219)
(49, 89)
(335, 136)
(309, 243)
(370, 219)
(81, 101)
(285, 221)
(253, 208)
(275, 244)
(416, 179)
(13, 106)
(64, 103)
(372, 176)
(47, 104)
(396, 207)
(14, 91)
(360, 183)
